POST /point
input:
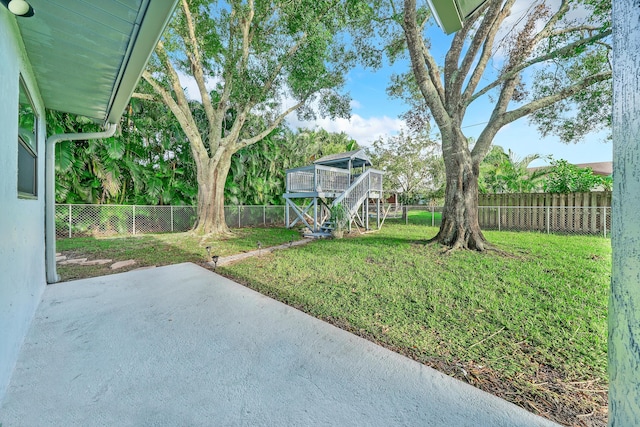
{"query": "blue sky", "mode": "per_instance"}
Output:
(374, 114)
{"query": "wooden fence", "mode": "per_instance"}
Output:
(588, 213)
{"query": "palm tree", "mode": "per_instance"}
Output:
(502, 172)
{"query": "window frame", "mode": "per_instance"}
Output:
(27, 145)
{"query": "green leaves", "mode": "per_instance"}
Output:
(64, 156)
(115, 147)
(567, 178)
(506, 173)
(412, 164)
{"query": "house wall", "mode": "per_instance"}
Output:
(22, 265)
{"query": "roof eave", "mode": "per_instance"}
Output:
(133, 65)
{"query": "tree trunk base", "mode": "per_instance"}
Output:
(202, 230)
(455, 237)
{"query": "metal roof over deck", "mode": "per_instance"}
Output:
(358, 159)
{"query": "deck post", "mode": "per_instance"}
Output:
(315, 214)
(286, 213)
(365, 208)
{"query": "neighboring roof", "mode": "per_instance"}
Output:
(341, 160)
(598, 168)
(87, 55)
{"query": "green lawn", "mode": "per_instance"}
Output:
(162, 249)
(529, 326)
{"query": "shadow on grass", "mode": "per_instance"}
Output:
(145, 250)
(162, 249)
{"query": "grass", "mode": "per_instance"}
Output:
(161, 249)
(530, 327)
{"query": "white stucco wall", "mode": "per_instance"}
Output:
(624, 300)
(22, 264)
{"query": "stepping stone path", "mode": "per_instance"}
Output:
(237, 257)
(122, 264)
(63, 260)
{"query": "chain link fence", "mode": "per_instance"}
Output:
(588, 220)
(108, 220)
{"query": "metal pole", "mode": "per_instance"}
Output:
(69, 221)
(264, 215)
(548, 218)
(499, 218)
(315, 214)
(604, 221)
(134, 219)
(286, 213)
(433, 212)
(171, 210)
(239, 218)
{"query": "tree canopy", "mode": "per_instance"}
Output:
(253, 64)
(412, 164)
(548, 62)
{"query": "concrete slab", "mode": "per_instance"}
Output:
(181, 345)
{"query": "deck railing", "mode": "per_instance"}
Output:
(317, 179)
(370, 180)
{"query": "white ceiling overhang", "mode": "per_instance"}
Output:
(452, 14)
(88, 55)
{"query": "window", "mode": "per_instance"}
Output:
(27, 146)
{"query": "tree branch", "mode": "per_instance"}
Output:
(145, 96)
(487, 51)
(556, 53)
(485, 34)
(179, 107)
(246, 142)
(198, 73)
(425, 68)
(500, 120)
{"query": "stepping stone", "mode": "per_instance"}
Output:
(60, 258)
(122, 264)
(97, 262)
(73, 261)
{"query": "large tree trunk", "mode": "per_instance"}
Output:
(460, 228)
(212, 177)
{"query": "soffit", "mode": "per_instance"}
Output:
(87, 55)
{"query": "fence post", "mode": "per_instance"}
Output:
(69, 221)
(171, 218)
(134, 220)
(433, 220)
(239, 208)
(604, 220)
(406, 215)
(264, 215)
(499, 218)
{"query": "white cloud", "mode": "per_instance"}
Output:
(364, 131)
(355, 105)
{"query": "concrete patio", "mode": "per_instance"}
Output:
(182, 346)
